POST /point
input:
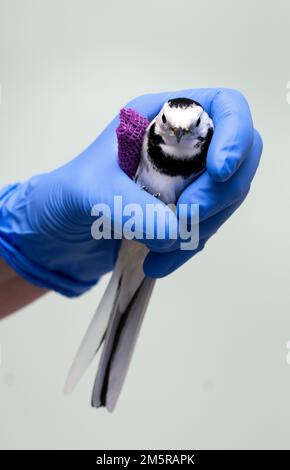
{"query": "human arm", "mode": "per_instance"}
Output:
(15, 292)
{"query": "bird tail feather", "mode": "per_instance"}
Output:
(121, 338)
(117, 322)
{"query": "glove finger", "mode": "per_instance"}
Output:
(157, 265)
(233, 134)
(212, 197)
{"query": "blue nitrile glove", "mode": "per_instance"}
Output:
(45, 223)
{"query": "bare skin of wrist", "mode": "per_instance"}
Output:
(15, 292)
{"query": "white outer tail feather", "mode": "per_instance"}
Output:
(132, 276)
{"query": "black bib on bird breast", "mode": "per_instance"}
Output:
(172, 166)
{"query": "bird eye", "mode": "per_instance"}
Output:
(163, 118)
(198, 122)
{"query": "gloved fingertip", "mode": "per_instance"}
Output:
(221, 173)
(258, 141)
(158, 265)
(150, 267)
(223, 169)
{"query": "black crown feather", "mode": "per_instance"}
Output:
(182, 103)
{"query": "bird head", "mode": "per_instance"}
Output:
(180, 121)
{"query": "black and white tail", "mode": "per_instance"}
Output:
(117, 323)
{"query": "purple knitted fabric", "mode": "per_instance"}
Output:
(130, 133)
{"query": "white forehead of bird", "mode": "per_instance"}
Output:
(181, 116)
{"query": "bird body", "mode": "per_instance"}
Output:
(174, 149)
(173, 155)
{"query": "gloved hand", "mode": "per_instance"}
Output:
(45, 222)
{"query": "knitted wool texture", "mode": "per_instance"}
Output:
(130, 134)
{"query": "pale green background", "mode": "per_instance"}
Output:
(210, 368)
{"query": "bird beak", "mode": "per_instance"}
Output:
(178, 132)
